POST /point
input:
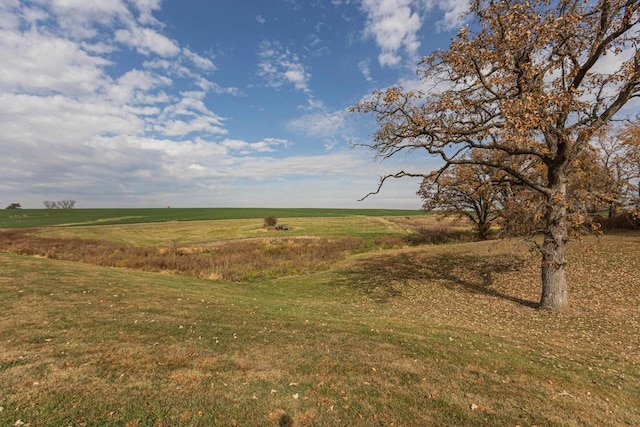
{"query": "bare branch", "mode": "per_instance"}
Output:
(400, 174)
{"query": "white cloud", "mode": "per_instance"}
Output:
(187, 116)
(260, 19)
(267, 145)
(44, 63)
(181, 128)
(320, 124)
(147, 41)
(136, 82)
(279, 66)
(146, 9)
(60, 120)
(77, 18)
(454, 14)
(394, 25)
(8, 19)
(365, 69)
(199, 61)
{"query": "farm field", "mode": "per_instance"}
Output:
(73, 217)
(364, 325)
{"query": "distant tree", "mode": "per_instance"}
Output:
(14, 206)
(66, 204)
(469, 191)
(618, 154)
(62, 204)
(529, 88)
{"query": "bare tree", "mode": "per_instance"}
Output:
(62, 204)
(66, 204)
(531, 87)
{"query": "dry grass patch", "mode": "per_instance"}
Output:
(236, 260)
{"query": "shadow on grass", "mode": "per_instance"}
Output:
(383, 278)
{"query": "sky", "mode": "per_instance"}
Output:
(205, 103)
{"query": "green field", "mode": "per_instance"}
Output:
(65, 217)
(344, 320)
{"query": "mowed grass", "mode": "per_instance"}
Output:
(428, 335)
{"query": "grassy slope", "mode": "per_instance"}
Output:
(423, 336)
(61, 217)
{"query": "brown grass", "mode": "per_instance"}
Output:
(239, 260)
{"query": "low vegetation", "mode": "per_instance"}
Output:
(386, 333)
(234, 261)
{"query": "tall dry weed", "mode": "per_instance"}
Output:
(242, 260)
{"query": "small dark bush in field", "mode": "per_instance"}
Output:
(270, 221)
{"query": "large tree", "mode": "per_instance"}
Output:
(529, 82)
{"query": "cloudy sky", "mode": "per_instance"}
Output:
(200, 103)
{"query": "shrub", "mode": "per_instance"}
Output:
(270, 221)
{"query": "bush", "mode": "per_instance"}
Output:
(270, 221)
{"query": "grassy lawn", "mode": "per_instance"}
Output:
(427, 335)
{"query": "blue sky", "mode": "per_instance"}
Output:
(152, 103)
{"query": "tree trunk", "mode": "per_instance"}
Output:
(483, 229)
(554, 283)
